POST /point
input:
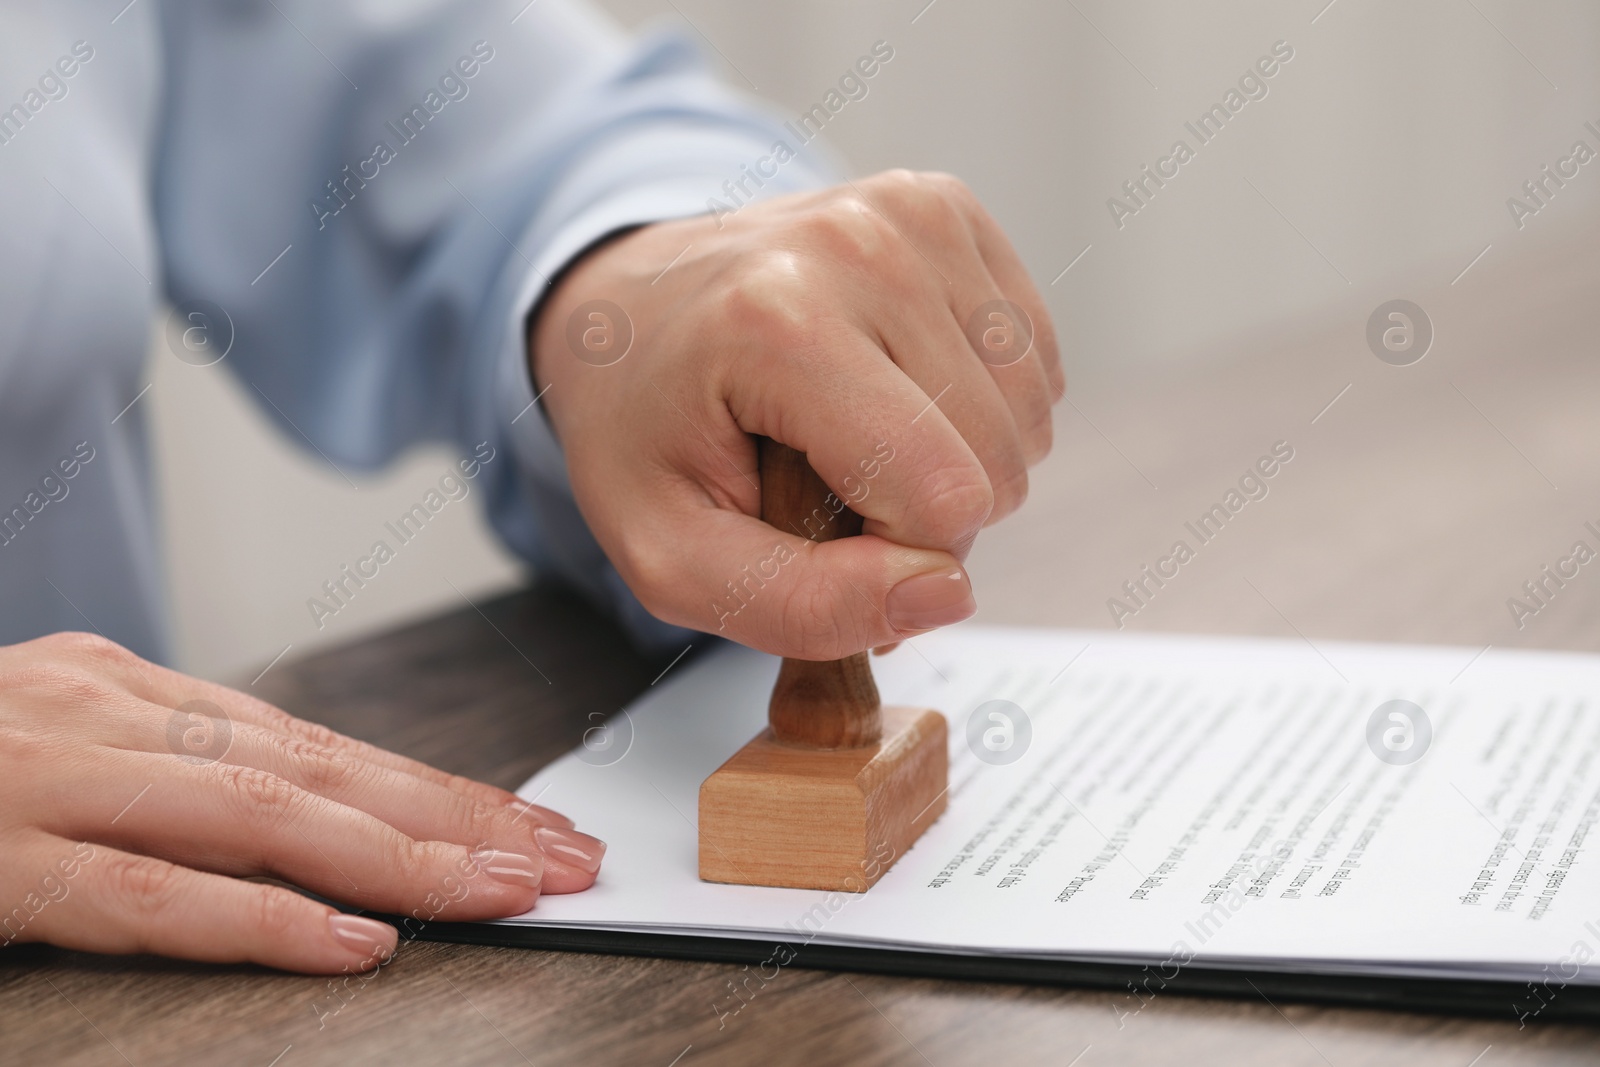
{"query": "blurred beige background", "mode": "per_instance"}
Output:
(1378, 165)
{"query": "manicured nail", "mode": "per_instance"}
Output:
(924, 601)
(539, 813)
(369, 938)
(512, 868)
(570, 848)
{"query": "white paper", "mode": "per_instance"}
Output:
(1204, 799)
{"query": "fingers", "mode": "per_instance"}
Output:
(284, 723)
(932, 351)
(421, 810)
(784, 594)
(121, 903)
(424, 810)
(902, 263)
(159, 685)
(940, 222)
(416, 807)
(1011, 278)
(246, 821)
(1000, 332)
(866, 428)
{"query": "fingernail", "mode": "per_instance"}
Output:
(539, 813)
(512, 868)
(368, 937)
(924, 601)
(570, 848)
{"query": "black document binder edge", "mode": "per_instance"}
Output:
(1520, 1002)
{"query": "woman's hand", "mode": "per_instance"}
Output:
(885, 328)
(134, 801)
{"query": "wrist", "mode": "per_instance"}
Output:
(561, 331)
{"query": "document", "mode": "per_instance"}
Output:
(1158, 800)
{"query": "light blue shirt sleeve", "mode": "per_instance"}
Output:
(378, 194)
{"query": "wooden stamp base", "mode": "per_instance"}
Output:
(779, 815)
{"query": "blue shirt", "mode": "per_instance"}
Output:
(358, 202)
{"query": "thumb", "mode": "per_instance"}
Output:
(780, 593)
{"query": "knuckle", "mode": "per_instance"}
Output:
(484, 822)
(147, 885)
(261, 796)
(651, 571)
(902, 180)
(923, 197)
(274, 913)
(845, 228)
(951, 188)
(416, 863)
(766, 299)
(955, 501)
(92, 649)
(318, 768)
(313, 733)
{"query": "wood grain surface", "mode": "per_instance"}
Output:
(824, 818)
(1418, 500)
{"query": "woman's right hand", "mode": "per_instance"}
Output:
(135, 800)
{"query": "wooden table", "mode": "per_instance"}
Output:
(1415, 505)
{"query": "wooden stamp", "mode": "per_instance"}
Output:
(837, 788)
